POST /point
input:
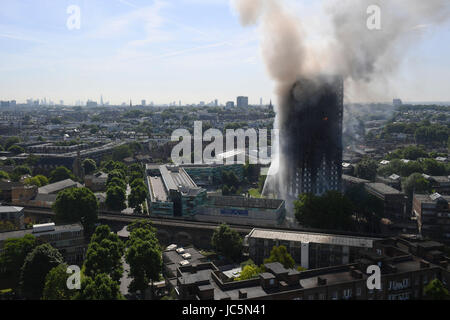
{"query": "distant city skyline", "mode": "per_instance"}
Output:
(165, 51)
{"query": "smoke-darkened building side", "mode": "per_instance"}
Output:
(311, 136)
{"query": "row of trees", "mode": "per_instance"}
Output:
(405, 169)
(11, 145)
(26, 262)
(103, 267)
(368, 169)
(424, 132)
(116, 185)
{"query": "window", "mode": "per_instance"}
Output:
(358, 292)
(272, 282)
(347, 293)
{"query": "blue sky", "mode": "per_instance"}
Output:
(164, 51)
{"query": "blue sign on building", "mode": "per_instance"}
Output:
(234, 212)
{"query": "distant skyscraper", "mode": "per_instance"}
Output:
(101, 101)
(144, 103)
(260, 102)
(216, 103)
(242, 102)
(397, 102)
(230, 104)
(91, 104)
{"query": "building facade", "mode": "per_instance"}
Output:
(68, 239)
(433, 216)
(312, 143)
(310, 250)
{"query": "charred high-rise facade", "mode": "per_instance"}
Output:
(311, 136)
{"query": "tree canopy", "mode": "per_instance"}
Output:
(77, 205)
(55, 287)
(100, 287)
(37, 264)
(104, 254)
(366, 169)
(115, 198)
(89, 166)
(61, 173)
(416, 183)
(144, 257)
(329, 211)
(13, 255)
(435, 290)
(281, 255)
(227, 242)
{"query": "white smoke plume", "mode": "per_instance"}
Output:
(360, 55)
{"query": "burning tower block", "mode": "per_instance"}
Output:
(311, 136)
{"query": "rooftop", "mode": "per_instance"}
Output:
(21, 233)
(307, 237)
(8, 209)
(58, 186)
(382, 188)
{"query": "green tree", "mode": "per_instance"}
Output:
(20, 171)
(10, 142)
(55, 287)
(115, 198)
(227, 242)
(101, 287)
(77, 205)
(137, 197)
(15, 149)
(144, 257)
(416, 183)
(435, 290)
(37, 264)
(89, 166)
(116, 173)
(141, 224)
(248, 272)
(61, 173)
(104, 254)
(4, 175)
(38, 181)
(433, 167)
(281, 255)
(117, 182)
(368, 208)
(366, 169)
(329, 211)
(13, 255)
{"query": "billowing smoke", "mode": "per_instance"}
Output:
(359, 54)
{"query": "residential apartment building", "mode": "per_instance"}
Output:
(403, 277)
(68, 239)
(394, 201)
(433, 216)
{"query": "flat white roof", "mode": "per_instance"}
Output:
(306, 237)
